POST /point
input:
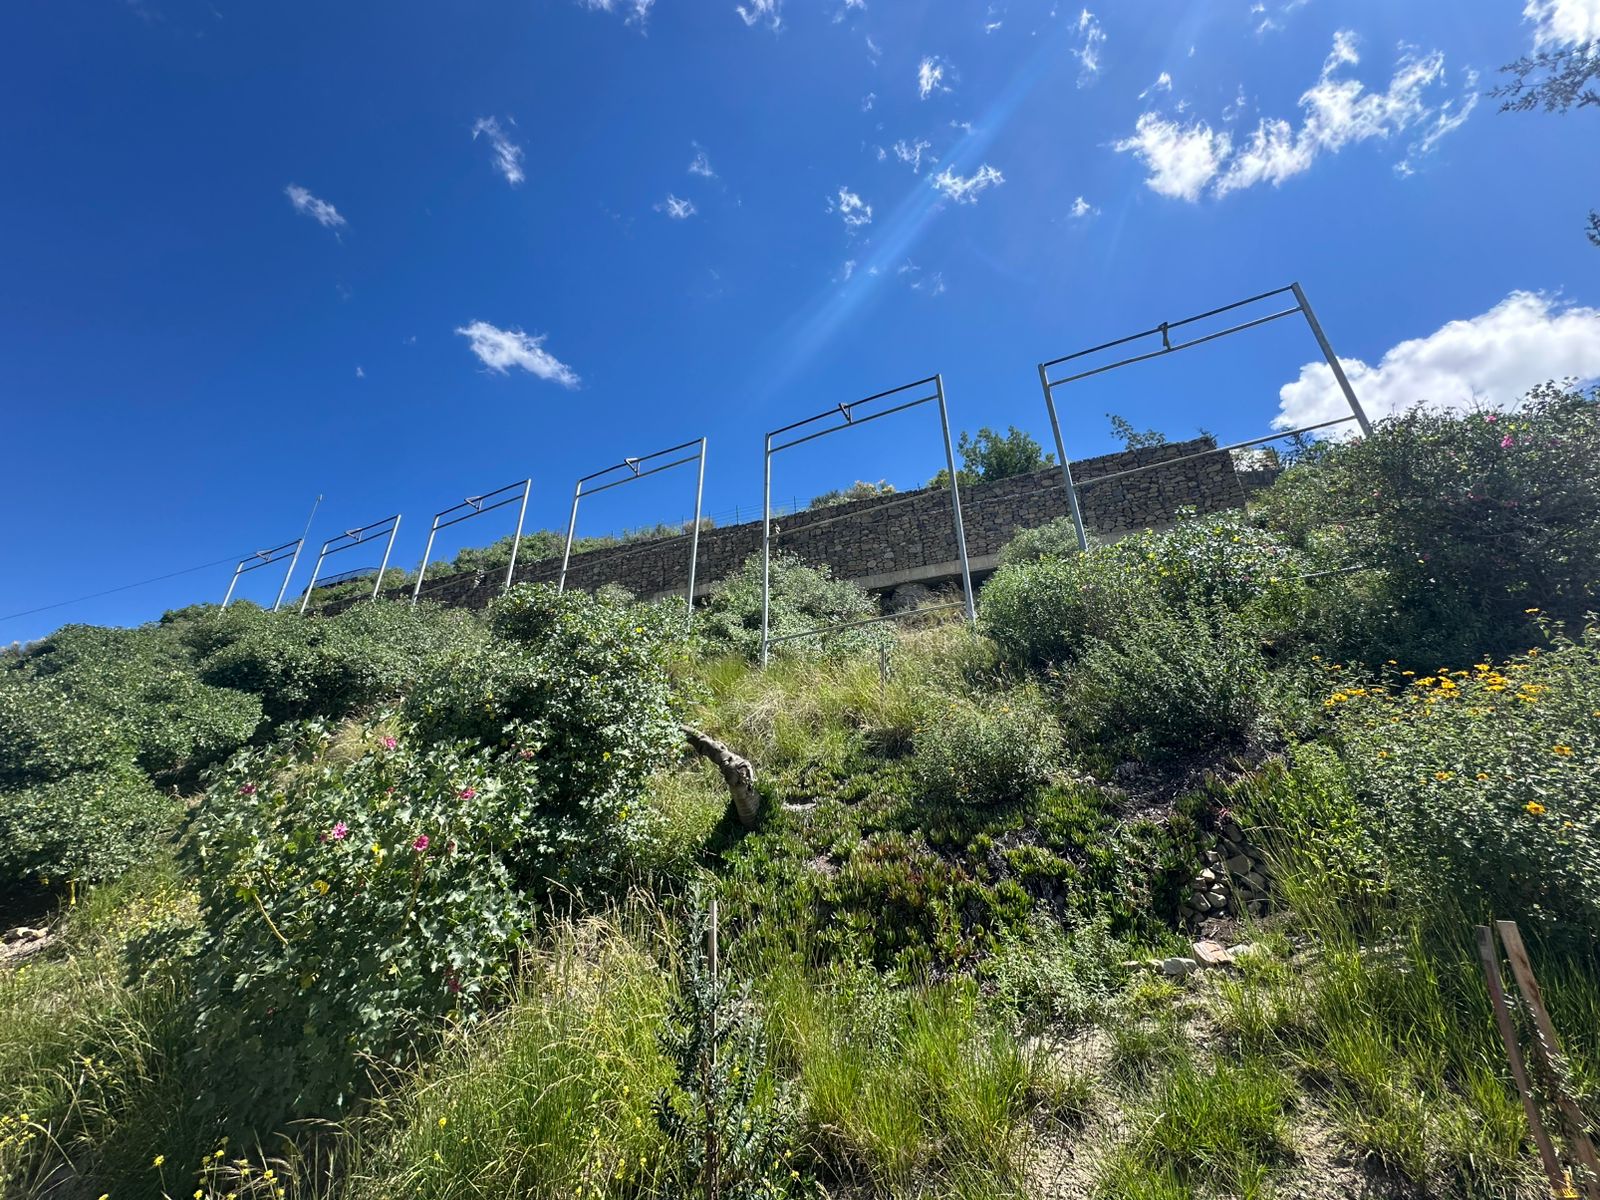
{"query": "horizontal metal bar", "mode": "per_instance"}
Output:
(358, 535)
(1337, 571)
(882, 506)
(644, 459)
(888, 412)
(823, 630)
(904, 387)
(264, 558)
(688, 458)
(1199, 341)
(476, 512)
(474, 501)
(1133, 337)
(1167, 462)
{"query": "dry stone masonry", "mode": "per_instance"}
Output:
(889, 542)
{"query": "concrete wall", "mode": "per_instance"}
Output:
(887, 541)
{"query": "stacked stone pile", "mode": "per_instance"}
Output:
(1234, 880)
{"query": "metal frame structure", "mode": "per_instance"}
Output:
(266, 558)
(1301, 305)
(637, 470)
(355, 537)
(847, 411)
(478, 506)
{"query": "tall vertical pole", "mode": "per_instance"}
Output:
(766, 549)
(694, 542)
(955, 500)
(287, 575)
(1066, 467)
(233, 583)
(384, 565)
(315, 571)
(422, 571)
(516, 540)
(1333, 361)
(298, 546)
(572, 525)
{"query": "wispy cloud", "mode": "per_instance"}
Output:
(911, 153)
(847, 8)
(1081, 209)
(1490, 359)
(761, 10)
(1185, 160)
(701, 165)
(852, 209)
(931, 74)
(320, 211)
(1091, 39)
(868, 101)
(967, 190)
(638, 11)
(501, 349)
(1563, 22)
(507, 154)
(1163, 83)
(677, 209)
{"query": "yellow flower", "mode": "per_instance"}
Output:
(1535, 809)
(199, 1193)
(322, 886)
(158, 1160)
(1441, 776)
(1563, 751)
(443, 1121)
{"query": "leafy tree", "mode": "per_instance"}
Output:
(990, 456)
(1132, 439)
(861, 489)
(1556, 81)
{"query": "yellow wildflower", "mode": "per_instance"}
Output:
(158, 1160)
(1535, 809)
(1563, 751)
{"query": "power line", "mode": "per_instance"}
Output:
(123, 588)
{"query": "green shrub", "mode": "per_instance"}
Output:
(1469, 519)
(89, 826)
(1482, 783)
(1054, 539)
(1192, 680)
(88, 696)
(1044, 612)
(352, 899)
(331, 666)
(1001, 748)
(802, 597)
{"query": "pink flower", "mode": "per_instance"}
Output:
(468, 793)
(1506, 442)
(389, 743)
(248, 789)
(339, 831)
(1490, 418)
(421, 843)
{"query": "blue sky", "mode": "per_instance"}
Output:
(397, 254)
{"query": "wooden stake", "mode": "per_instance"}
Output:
(1548, 1047)
(1490, 954)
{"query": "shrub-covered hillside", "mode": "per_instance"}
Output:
(414, 902)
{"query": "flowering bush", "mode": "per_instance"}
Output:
(1469, 518)
(1004, 748)
(352, 899)
(1484, 781)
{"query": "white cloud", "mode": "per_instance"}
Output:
(1563, 22)
(1163, 83)
(868, 101)
(638, 10)
(319, 211)
(360, 374)
(1088, 51)
(910, 153)
(852, 209)
(1184, 160)
(701, 165)
(761, 10)
(677, 209)
(1081, 208)
(507, 154)
(874, 51)
(932, 285)
(846, 7)
(966, 191)
(502, 349)
(1488, 360)
(847, 270)
(930, 77)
